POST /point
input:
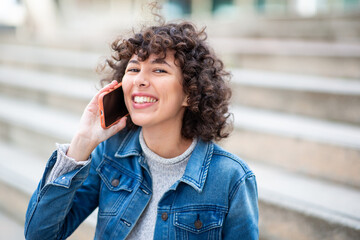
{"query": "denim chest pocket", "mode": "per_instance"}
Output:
(115, 188)
(199, 224)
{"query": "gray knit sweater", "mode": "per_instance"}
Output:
(164, 172)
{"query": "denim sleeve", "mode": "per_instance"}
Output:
(242, 219)
(56, 209)
(64, 164)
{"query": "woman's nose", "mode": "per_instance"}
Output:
(141, 80)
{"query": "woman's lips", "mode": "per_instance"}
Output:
(143, 101)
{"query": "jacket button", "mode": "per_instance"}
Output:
(198, 224)
(164, 216)
(115, 182)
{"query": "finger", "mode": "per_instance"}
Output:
(104, 89)
(108, 87)
(120, 125)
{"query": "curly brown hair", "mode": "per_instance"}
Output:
(205, 81)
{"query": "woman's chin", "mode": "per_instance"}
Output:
(141, 122)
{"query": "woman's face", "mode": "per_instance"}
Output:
(153, 91)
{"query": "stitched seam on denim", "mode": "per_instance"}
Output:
(120, 218)
(111, 162)
(194, 230)
(170, 210)
(204, 169)
(131, 197)
(105, 181)
(214, 234)
(72, 180)
(210, 152)
(232, 157)
(30, 217)
(205, 208)
(42, 192)
(191, 180)
(213, 225)
(102, 230)
(115, 208)
(128, 154)
(240, 182)
(199, 208)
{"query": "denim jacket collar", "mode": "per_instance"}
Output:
(130, 146)
(196, 169)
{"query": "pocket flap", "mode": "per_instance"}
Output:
(199, 221)
(114, 178)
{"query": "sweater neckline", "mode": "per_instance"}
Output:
(149, 154)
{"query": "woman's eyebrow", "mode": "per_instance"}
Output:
(160, 61)
(155, 61)
(134, 61)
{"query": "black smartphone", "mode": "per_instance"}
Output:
(112, 106)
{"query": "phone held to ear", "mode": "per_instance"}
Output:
(112, 106)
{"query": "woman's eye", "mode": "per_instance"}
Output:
(133, 70)
(160, 71)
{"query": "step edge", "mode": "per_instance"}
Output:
(296, 126)
(295, 82)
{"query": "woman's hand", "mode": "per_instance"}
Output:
(90, 133)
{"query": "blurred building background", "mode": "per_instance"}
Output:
(296, 99)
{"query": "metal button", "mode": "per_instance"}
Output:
(198, 224)
(164, 216)
(115, 182)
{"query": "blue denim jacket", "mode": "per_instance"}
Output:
(216, 198)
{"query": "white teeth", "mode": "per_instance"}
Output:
(142, 99)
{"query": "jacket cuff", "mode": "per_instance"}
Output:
(63, 165)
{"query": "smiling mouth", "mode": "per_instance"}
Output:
(142, 99)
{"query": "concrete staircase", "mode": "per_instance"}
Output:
(40, 105)
(299, 133)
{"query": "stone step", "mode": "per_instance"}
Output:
(317, 148)
(35, 127)
(75, 62)
(320, 97)
(296, 207)
(286, 197)
(325, 27)
(330, 59)
(19, 180)
(56, 90)
(287, 47)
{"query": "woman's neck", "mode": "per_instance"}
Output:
(167, 144)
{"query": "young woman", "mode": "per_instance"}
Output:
(156, 174)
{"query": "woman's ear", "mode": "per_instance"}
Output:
(185, 102)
